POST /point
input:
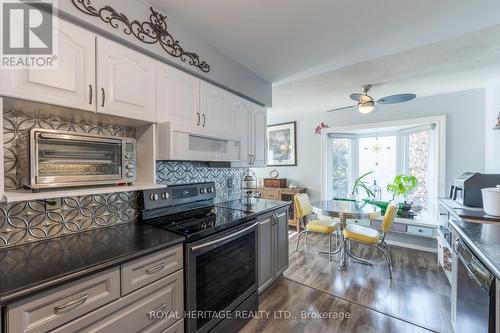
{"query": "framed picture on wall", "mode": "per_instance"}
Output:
(282, 144)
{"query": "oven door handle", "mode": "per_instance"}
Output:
(55, 136)
(223, 239)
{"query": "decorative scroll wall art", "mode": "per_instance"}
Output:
(152, 32)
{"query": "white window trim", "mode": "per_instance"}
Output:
(439, 153)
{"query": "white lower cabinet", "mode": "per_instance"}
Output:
(71, 84)
(93, 304)
(126, 82)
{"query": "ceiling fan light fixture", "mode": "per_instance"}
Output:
(366, 107)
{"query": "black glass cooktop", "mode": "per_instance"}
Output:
(202, 222)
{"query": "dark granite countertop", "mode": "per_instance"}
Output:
(30, 268)
(254, 205)
(482, 236)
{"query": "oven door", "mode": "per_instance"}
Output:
(221, 275)
(62, 159)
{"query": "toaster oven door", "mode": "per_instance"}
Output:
(74, 160)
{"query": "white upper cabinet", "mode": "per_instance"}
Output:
(217, 115)
(242, 111)
(71, 84)
(259, 136)
(126, 82)
(177, 96)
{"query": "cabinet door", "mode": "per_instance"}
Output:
(217, 117)
(71, 84)
(178, 96)
(242, 110)
(259, 136)
(281, 242)
(266, 252)
(126, 82)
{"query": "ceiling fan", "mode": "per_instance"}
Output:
(366, 103)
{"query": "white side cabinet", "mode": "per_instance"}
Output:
(177, 97)
(243, 111)
(217, 116)
(126, 82)
(259, 136)
(72, 84)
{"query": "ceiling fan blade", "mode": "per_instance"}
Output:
(399, 98)
(356, 96)
(342, 108)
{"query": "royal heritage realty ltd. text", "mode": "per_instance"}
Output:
(281, 314)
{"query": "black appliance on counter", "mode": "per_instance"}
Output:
(467, 188)
(220, 253)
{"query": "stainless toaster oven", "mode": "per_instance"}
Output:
(62, 159)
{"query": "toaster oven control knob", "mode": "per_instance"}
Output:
(130, 174)
(130, 167)
(153, 197)
(164, 195)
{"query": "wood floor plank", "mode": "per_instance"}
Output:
(303, 302)
(419, 291)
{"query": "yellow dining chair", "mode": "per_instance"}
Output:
(372, 237)
(324, 226)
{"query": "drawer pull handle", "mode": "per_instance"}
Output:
(71, 305)
(155, 269)
(161, 307)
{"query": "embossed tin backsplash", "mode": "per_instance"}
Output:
(29, 221)
(227, 180)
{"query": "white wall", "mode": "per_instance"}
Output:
(464, 134)
(492, 137)
(224, 71)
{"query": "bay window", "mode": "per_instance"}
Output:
(409, 149)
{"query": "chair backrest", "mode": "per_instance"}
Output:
(302, 205)
(390, 214)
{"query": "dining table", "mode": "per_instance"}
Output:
(346, 210)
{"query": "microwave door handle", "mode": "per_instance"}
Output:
(223, 239)
(55, 136)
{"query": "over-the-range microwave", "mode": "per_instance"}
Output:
(63, 159)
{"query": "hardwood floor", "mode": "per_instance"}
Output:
(419, 292)
(287, 295)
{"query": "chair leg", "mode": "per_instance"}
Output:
(330, 247)
(356, 258)
(305, 241)
(390, 253)
(386, 259)
(298, 239)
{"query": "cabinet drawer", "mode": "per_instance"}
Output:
(424, 231)
(134, 312)
(53, 308)
(396, 227)
(365, 223)
(270, 195)
(138, 273)
(178, 327)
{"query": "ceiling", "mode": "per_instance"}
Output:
(460, 63)
(285, 40)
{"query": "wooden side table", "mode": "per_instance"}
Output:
(283, 194)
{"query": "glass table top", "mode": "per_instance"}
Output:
(346, 209)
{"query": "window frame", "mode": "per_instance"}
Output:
(437, 151)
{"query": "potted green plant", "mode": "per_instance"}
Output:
(402, 187)
(361, 184)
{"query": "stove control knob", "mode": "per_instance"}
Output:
(153, 197)
(164, 195)
(210, 190)
(202, 191)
